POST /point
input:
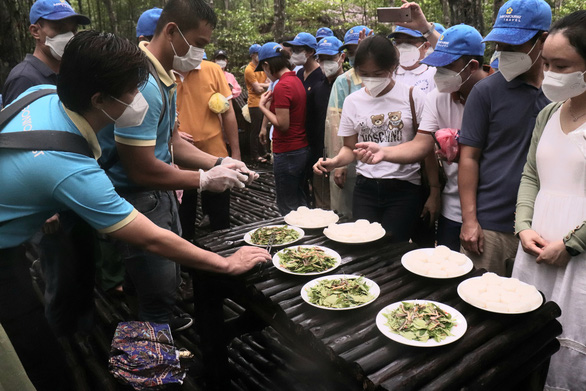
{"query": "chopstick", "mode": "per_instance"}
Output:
(269, 247)
(326, 174)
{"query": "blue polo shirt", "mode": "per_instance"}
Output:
(499, 118)
(37, 184)
(150, 133)
(30, 72)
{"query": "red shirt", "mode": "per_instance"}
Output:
(290, 94)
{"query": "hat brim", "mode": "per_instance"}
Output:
(345, 46)
(511, 36)
(327, 52)
(80, 19)
(440, 59)
(394, 34)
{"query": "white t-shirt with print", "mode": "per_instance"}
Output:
(420, 77)
(385, 120)
(441, 111)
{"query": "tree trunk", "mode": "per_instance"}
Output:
(111, 16)
(497, 4)
(468, 12)
(279, 19)
(15, 40)
(445, 13)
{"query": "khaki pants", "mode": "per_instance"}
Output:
(498, 248)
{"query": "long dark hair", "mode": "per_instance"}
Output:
(279, 62)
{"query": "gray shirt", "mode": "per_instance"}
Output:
(499, 118)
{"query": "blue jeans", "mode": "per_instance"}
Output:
(393, 203)
(448, 233)
(154, 277)
(289, 169)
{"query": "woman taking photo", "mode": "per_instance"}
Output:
(284, 107)
(551, 206)
(382, 112)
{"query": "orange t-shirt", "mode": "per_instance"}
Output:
(195, 116)
(250, 77)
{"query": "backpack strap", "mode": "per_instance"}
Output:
(413, 113)
(17, 106)
(39, 140)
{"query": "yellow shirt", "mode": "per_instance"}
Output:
(195, 117)
(250, 77)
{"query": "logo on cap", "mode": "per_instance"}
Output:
(276, 46)
(441, 37)
(509, 11)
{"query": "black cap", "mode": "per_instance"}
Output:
(220, 53)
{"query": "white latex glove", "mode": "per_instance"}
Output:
(220, 179)
(241, 167)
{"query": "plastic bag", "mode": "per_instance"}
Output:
(448, 142)
(246, 114)
(218, 103)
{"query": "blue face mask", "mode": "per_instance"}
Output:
(351, 61)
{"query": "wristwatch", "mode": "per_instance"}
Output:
(571, 251)
(430, 31)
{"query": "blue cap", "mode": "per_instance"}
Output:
(329, 46)
(205, 56)
(323, 32)
(405, 30)
(55, 10)
(254, 48)
(268, 50)
(519, 20)
(455, 42)
(148, 22)
(439, 28)
(303, 39)
(352, 35)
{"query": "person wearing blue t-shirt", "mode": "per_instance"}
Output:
(140, 159)
(97, 86)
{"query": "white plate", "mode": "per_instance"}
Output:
(458, 330)
(327, 251)
(532, 308)
(464, 269)
(247, 236)
(374, 289)
(325, 223)
(377, 237)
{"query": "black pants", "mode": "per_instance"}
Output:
(256, 117)
(215, 205)
(23, 319)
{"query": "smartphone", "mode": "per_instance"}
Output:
(393, 14)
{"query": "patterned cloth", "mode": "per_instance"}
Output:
(143, 356)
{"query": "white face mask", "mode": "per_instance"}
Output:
(190, 60)
(375, 85)
(134, 113)
(57, 44)
(513, 64)
(449, 81)
(222, 63)
(330, 67)
(298, 58)
(559, 87)
(408, 54)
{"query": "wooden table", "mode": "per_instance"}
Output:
(497, 351)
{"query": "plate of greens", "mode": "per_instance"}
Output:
(306, 260)
(422, 323)
(340, 292)
(282, 234)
